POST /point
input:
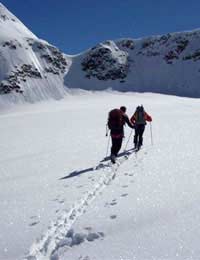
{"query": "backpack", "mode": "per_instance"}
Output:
(140, 116)
(115, 119)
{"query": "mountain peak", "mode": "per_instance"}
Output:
(5, 14)
(11, 26)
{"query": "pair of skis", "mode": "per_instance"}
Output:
(125, 154)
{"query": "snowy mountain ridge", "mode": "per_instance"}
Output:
(166, 64)
(32, 70)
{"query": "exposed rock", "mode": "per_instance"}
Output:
(54, 57)
(7, 87)
(180, 46)
(51, 70)
(128, 44)
(102, 64)
(12, 83)
(4, 17)
(147, 43)
(171, 55)
(194, 56)
(11, 44)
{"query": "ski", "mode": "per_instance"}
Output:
(124, 153)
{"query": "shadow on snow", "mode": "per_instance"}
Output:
(99, 166)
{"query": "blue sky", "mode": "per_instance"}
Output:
(76, 25)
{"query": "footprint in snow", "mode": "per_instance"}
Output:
(34, 223)
(106, 204)
(101, 234)
(92, 236)
(33, 217)
(113, 203)
(56, 199)
(61, 201)
(113, 216)
(83, 258)
(88, 228)
(124, 195)
(80, 186)
(125, 186)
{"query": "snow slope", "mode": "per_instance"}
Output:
(164, 64)
(58, 202)
(30, 69)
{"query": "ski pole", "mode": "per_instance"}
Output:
(107, 129)
(151, 134)
(108, 144)
(128, 140)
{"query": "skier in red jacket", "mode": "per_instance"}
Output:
(139, 119)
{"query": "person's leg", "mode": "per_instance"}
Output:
(136, 136)
(113, 147)
(118, 145)
(141, 131)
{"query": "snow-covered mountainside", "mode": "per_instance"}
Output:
(31, 69)
(165, 64)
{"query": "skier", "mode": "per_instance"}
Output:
(117, 118)
(139, 119)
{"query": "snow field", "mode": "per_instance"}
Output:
(153, 197)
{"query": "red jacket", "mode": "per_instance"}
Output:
(146, 117)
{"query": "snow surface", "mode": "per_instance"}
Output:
(59, 202)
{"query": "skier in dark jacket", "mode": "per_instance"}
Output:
(139, 119)
(117, 129)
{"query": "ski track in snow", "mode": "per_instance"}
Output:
(45, 247)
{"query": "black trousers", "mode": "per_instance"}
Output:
(138, 138)
(116, 145)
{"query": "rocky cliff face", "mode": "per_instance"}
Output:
(165, 64)
(106, 62)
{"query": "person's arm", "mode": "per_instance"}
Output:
(133, 119)
(148, 117)
(128, 121)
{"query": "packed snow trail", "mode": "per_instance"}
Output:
(45, 247)
(150, 211)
